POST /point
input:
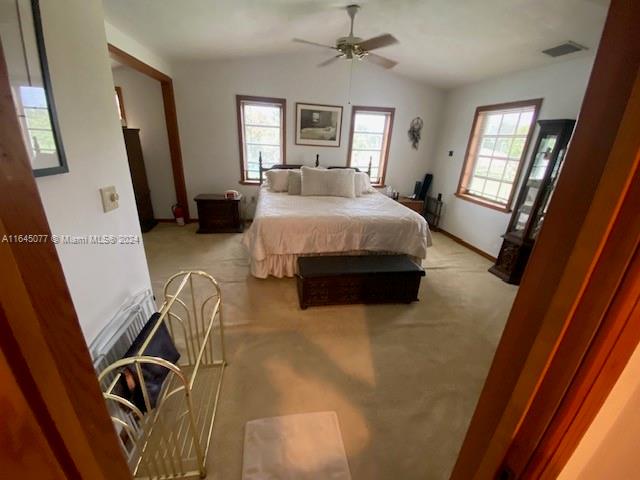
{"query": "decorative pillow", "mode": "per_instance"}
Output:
(362, 183)
(295, 182)
(329, 183)
(278, 180)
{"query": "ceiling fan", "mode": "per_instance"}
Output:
(351, 47)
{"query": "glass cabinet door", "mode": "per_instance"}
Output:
(534, 182)
(534, 198)
(546, 198)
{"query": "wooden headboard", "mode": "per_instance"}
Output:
(283, 166)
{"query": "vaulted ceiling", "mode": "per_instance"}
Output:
(445, 43)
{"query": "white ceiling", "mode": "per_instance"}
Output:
(442, 42)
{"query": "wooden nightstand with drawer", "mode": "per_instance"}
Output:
(415, 205)
(217, 214)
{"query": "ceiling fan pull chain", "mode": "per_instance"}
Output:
(350, 79)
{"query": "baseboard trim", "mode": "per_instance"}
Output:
(173, 220)
(467, 245)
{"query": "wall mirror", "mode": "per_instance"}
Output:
(24, 50)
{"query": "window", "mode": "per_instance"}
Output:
(369, 140)
(37, 121)
(497, 145)
(261, 129)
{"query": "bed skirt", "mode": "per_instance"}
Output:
(280, 266)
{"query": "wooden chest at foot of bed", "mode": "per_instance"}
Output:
(341, 280)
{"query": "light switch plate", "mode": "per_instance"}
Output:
(109, 198)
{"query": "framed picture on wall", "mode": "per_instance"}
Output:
(318, 125)
(23, 46)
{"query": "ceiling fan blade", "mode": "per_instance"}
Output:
(378, 42)
(299, 40)
(330, 61)
(382, 61)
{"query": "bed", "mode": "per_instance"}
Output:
(287, 226)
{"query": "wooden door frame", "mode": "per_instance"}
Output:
(44, 347)
(170, 116)
(560, 353)
(40, 337)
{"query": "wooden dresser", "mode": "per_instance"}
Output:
(217, 214)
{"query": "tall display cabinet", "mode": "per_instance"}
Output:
(533, 199)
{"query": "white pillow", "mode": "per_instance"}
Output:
(295, 182)
(362, 183)
(337, 182)
(278, 180)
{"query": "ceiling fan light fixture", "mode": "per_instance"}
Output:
(351, 46)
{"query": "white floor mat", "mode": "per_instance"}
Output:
(306, 446)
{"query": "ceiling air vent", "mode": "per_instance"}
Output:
(564, 49)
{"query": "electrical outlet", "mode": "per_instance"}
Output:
(109, 198)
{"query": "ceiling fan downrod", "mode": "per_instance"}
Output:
(352, 10)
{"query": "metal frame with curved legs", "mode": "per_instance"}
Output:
(172, 439)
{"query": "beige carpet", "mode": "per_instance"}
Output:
(403, 379)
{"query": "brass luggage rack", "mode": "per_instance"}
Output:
(172, 439)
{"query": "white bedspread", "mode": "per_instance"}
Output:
(287, 226)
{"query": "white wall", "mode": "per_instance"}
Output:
(205, 97)
(609, 448)
(100, 278)
(142, 97)
(561, 85)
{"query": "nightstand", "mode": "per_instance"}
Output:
(415, 205)
(217, 214)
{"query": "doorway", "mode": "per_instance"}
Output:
(150, 128)
(44, 282)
